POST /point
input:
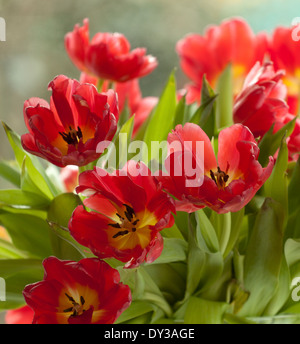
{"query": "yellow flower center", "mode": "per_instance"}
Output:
(220, 177)
(132, 229)
(72, 137)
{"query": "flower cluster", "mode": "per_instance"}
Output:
(108, 224)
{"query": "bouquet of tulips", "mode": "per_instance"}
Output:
(182, 209)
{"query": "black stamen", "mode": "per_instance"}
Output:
(72, 137)
(70, 298)
(135, 222)
(115, 225)
(120, 233)
(79, 133)
(129, 217)
(129, 212)
(82, 300)
(212, 175)
(68, 310)
(133, 229)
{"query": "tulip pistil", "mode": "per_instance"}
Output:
(128, 222)
(73, 136)
(220, 177)
(76, 308)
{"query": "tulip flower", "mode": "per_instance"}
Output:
(232, 42)
(23, 315)
(293, 141)
(229, 182)
(129, 92)
(284, 51)
(67, 131)
(69, 177)
(128, 211)
(84, 292)
(261, 102)
(107, 55)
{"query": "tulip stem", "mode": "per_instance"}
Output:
(100, 85)
(225, 232)
(86, 167)
(160, 302)
(224, 99)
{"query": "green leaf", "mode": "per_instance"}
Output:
(181, 221)
(59, 214)
(291, 251)
(162, 274)
(29, 233)
(205, 115)
(180, 111)
(200, 311)
(203, 266)
(136, 309)
(15, 285)
(174, 250)
(8, 251)
(293, 189)
(162, 119)
(9, 267)
(18, 198)
(36, 171)
(236, 320)
(263, 258)
(10, 172)
(117, 152)
(236, 226)
(272, 141)
(33, 181)
(195, 262)
(225, 98)
(282, 292)
(206, 234)
(123, 141)
(153, 294)
(172, 232)
(276, 186)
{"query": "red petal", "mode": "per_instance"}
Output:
(76, 43)
(192, 133)
(62, 90)
(228, 154)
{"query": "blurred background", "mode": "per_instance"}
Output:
(33, 53)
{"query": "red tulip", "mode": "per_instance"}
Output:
(261, 102)
(293, 141)
(107, 55)
(84, 292)
(21, 316)
(129, 92)
(231, 42)
(230, 181)
(128, 213)
(285, 53)
(69, 177)
(67, 131)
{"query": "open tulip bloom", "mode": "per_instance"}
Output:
(179, 209)
(128, 213)
(67, 131)
(230, 181)
(86, 292)
(107, 55)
